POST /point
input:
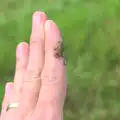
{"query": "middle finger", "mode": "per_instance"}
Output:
(31, 85)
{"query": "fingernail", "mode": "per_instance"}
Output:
(8, 89)
(18, 54)
(38, 17)
(22, 49)
(48, 25)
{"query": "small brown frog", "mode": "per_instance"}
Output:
(59, 50)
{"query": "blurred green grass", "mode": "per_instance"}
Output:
(90, 29)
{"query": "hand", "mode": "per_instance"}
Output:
(39, 86)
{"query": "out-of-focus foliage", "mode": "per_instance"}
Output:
(91, 32)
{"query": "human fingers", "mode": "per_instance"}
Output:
(22, 55)
(32, 81)
(22, 52)
(13, 89)
(7, 96)
(53, 88)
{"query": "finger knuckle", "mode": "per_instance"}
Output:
(35, 38)
(20, 66)
(48, 78)
(32, 74)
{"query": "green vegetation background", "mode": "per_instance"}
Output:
(91, 32)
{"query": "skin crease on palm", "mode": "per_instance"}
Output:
(40, 77)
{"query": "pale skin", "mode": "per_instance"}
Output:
(40, 77)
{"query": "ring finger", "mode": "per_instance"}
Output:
(22, 53)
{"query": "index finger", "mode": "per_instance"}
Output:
(53, 77)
